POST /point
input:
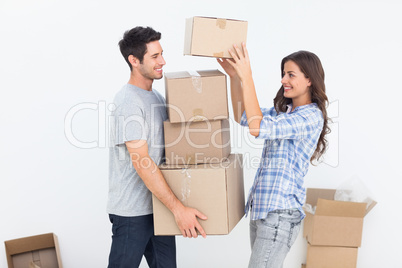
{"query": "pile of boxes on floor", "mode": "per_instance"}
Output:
(199, 168)
(333, 229)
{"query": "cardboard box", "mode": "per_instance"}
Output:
(212, 37)
(217, 190)
(196, 95)
(335, 223)
(197, 142)
(41, 250)
(331, 257)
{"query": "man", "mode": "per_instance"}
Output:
(136, 151)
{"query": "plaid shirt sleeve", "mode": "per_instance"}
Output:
(285, 125)
(265, 111)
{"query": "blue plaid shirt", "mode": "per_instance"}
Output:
(290, 140)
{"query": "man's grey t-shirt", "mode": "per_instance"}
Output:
(138, 115)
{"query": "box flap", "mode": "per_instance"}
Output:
(210, 73)
(176, 75)
(31, 243)
(370, 207)
(215, 18)
(188, 32)
(314, 193)
(187, 74)
(340, 208)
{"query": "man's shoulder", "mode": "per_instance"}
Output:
(127, 94)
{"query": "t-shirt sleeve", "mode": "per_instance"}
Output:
(129, 124)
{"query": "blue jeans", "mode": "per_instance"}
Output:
(272, 237)
(133, 237)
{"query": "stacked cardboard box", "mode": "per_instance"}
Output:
(215, 189)
(198, 127)
(212, 37)
(199, 167)
(334, 231)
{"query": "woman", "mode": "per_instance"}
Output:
(294, 132)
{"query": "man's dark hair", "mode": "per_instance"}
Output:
(135, 42)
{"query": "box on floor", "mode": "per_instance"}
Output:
(335, 223)
(40, 250)
(331, 257)
(215, 189)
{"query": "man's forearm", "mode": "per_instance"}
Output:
(156, 183)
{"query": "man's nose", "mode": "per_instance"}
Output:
(162, 61)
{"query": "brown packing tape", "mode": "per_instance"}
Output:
(221, 23)
(190, 158)
(218, 54)
(33, 265)
(198, 115)
(35, 256)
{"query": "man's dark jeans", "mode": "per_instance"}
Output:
(133, 237)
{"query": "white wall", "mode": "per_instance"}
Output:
(55, 55)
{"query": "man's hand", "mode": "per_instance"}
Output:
(186, 220)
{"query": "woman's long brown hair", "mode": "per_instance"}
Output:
(311, 67)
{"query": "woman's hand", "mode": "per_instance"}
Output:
(227, 67)
(240, 63)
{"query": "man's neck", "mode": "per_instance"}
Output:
(140, 82)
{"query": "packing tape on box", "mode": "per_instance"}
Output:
(33, 265)
(221, 23)
(198, 115)
(35, 256)
(218, 54)
(196, 80)
(185, 185)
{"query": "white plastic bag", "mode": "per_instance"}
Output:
(354, 190)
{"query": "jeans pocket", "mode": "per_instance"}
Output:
(272, 220)
(294, 231)
(292, 216)
(115, 220)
